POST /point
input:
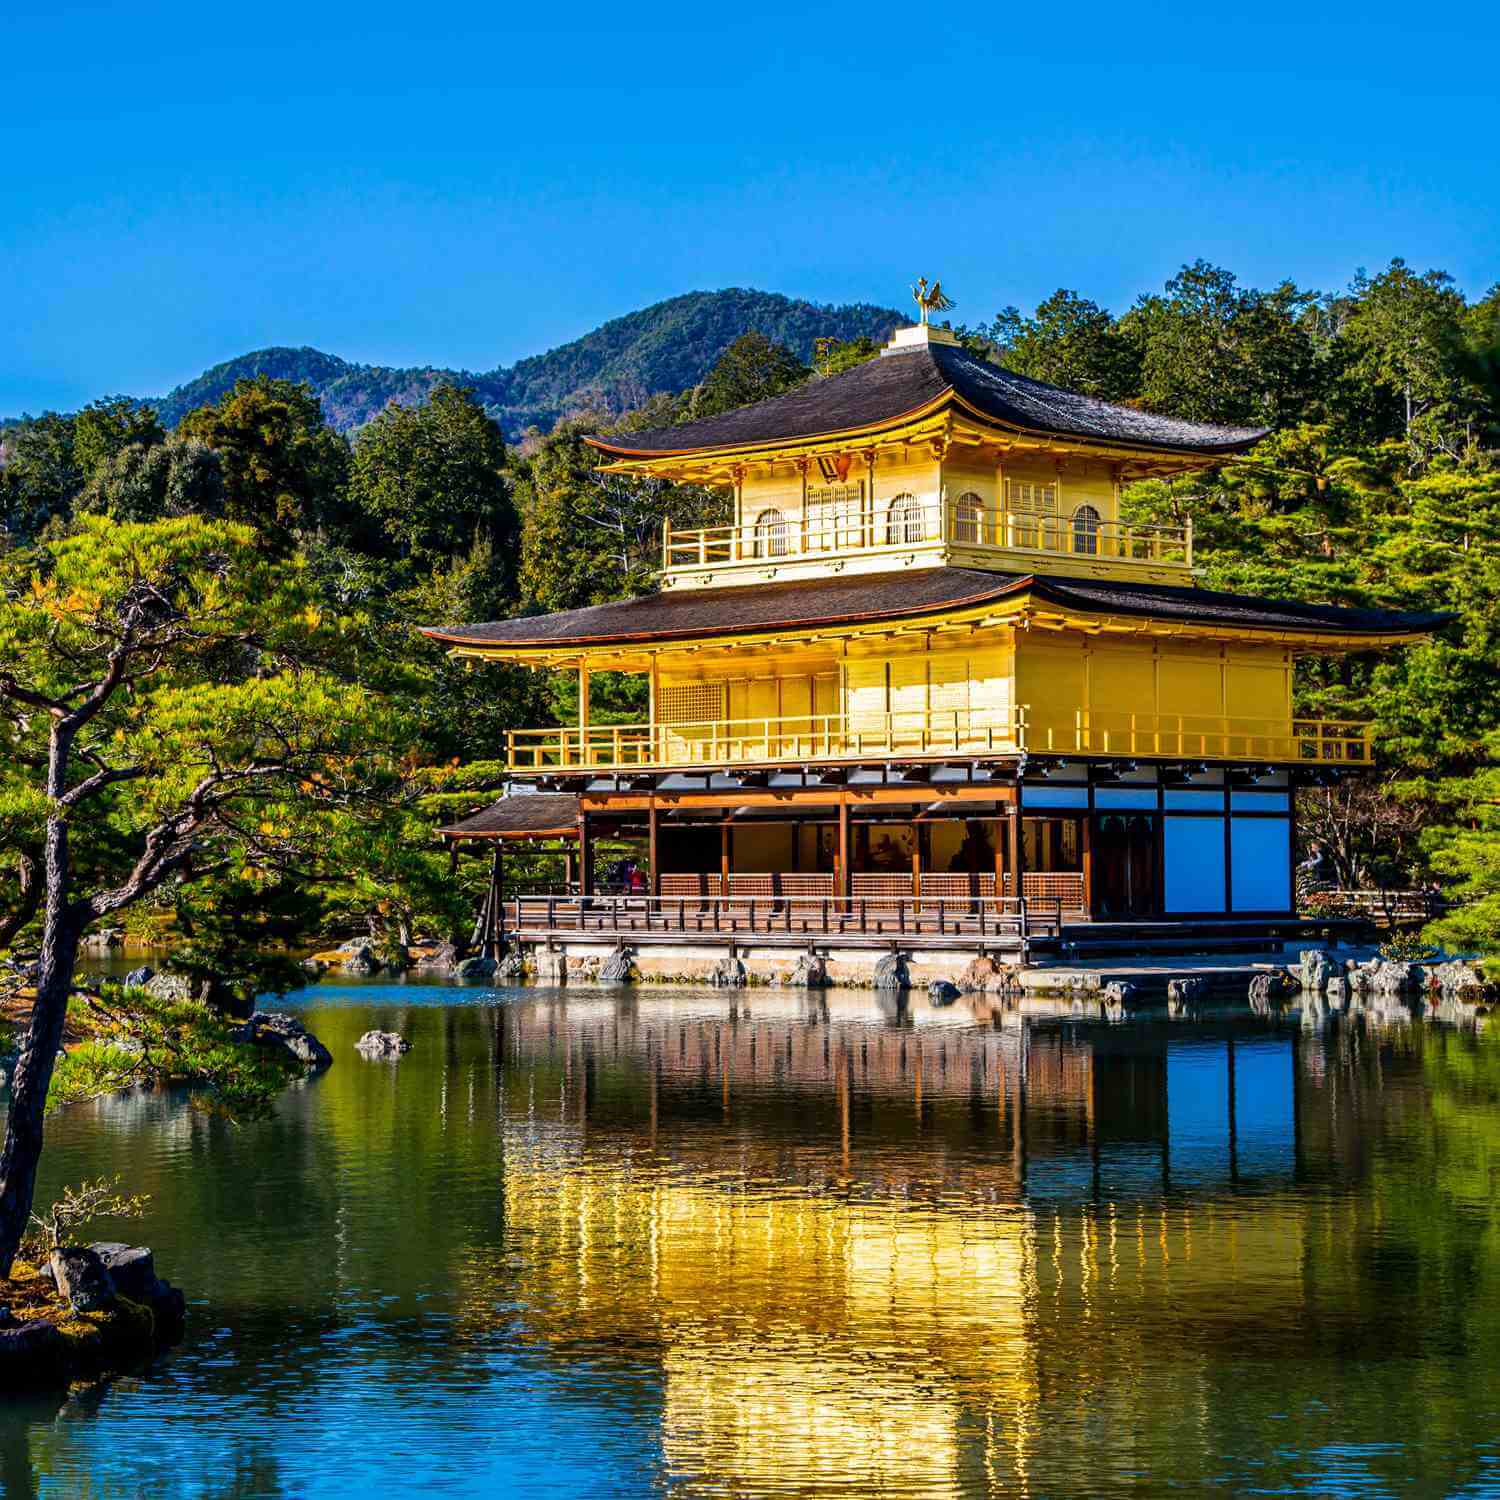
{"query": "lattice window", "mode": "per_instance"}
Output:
(834, 514)
(1031, 497)
(770, 534)
(968, 517)
(690, 703)
(904, 521)
(1086, 529)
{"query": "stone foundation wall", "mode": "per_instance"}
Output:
(847, 968)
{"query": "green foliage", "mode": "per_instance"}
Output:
(284, 470)
(1071, 342)
(1465, 848)
(154, 483)
(105, 429)
(82, 1204)
(39, 475)
(239, 930)
(433, 478)
(753, 368)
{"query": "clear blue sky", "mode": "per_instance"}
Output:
(464, 184)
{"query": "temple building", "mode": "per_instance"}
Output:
(928, 687)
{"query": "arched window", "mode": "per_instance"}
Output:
(1086, 530)
(770, 535)
(904, 520)
(968, 517)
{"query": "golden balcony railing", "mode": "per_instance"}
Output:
(753, 741)
(778, 537)
(1201, 737)
(875, 736)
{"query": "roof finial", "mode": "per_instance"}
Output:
(931, 300)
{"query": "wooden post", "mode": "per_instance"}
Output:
(844, 882)
(583, 713)
(726, 845)
(651, 847)
(585, 856)
(1013, 836)
(1086, 835)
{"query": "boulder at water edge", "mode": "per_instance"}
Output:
(943, 992)
(82, 1278)
(272, 1029)
(729, 974)
(891, 973)
(390, 1044)
(138, 978)
(475, 968)
(618, 968)
(809, 972)
(361, 958)
(1315, 970)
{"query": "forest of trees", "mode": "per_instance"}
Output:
(1380, 485)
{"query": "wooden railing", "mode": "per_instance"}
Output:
(783, 917)
(797, 737)
(1201, 737)
(949, 522)
(812, 737)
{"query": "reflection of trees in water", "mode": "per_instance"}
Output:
(820, 1244)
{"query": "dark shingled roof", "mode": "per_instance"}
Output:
(533, 816)
(892, 386)
(860, 598)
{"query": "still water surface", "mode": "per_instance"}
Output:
(602, 1243)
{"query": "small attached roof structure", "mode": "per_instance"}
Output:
(535, 815)
(850, 601)
(906, 384)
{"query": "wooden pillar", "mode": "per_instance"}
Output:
(585, 856)
(1013, 836)
(726, 845)
(844, 883)
(583, 713)
(651, 854)
(1086, 838)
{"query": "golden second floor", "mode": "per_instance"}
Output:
(902, 507)
(928, 697)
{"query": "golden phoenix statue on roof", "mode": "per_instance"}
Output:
(931, 299)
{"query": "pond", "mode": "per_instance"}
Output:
(631, 1242)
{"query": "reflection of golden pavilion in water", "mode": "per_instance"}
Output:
(845, 1308)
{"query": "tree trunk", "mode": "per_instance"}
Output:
(61, 930)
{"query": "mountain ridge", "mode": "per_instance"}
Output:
(667, 346)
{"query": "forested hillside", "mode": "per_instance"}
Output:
(1380, 485)
(666, 347)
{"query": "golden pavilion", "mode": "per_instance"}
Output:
(928, 688)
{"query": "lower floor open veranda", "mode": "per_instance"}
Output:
(1109, 842)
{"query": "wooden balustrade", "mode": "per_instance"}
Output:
(810, 737)
(947, 523)
(785, 915)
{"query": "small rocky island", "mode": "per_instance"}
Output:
(87, 1312)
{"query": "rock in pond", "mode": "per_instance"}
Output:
(132, 1269)
(618, 968)
(475, 968)
(361, 958)
(512, 967)
(1268, 988)
(382, 1044)
(891, 973)
(1315, 969)
(137, 978)
(729, 973)
(81, 1277)
(943, 992)
(272, 1029)
(809, 972)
